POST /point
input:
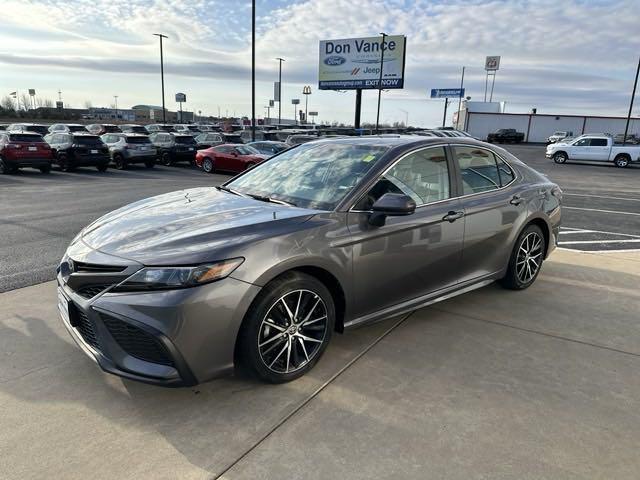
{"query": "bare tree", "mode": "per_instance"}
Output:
(25, 102)
(7, 103)
(47, 103)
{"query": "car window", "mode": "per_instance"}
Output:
(224, 149)
(582, 142)
(506, 173)
(478, 169)
(598, 142)
(422, 175)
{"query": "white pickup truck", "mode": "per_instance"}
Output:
(594, 148)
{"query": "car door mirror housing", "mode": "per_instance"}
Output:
(391, 204)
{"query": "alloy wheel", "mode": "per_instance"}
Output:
(207, 165)
(529, 257)
(292, 331)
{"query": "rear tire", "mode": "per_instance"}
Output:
(621, 161)
(65, 164)
(526, 259)
(119, 162)
(5, 168)
(207, 165)
(165, 159)
(560, 157)
(280, 341)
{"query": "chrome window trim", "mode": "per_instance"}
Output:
(452, 145)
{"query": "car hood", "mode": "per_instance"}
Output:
(190, 226)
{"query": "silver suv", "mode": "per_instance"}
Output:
(126, 148)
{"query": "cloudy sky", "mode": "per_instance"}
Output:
(561, 56)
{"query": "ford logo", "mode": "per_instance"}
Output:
(334, 60)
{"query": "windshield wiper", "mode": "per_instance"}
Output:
(230, 190)
(262, 198)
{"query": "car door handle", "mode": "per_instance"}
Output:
(516, 200)
(452, 216)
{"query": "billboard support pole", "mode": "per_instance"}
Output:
(493, 82)
(486, 84)
(164, 111)
(253, 70)
(280, 60)
(633, 94)
(358, 107)
(446, 104)
(384, 35)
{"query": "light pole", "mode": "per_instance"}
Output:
(384, 35)
(253, 70)
(306, 91)
(164, 110)
(116, 99)
(280, 60)
(460, 100)
(633, 94)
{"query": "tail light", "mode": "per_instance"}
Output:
(15, 146)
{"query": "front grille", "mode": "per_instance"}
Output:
(91, 291)
(92, 268)
(86, 329)
(136, 342)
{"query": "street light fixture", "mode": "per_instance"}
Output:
(306, 91)
(384, 35)
(164, 110)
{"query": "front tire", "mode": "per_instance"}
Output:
(165, 159)
(526, 259)
(287, 328)
(560, 157)
(65, 164)
(120, 162)
(207, 165)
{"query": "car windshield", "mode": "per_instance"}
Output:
(185, 140)
(247, 150)
(316, 175)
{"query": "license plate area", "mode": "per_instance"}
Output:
(67, 309)
(33, 149)
(94, 151)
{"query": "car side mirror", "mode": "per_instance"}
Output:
(391, 204)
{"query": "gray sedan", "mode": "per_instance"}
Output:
(178, 289)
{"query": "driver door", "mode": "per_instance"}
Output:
(411, 255)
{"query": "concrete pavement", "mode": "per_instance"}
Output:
(492, 384)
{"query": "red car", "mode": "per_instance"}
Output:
(24, 149)
(228, 158)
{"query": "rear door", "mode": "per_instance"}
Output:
(493, 206)
(413, 255)
(599, 149)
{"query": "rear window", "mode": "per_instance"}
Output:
(137, 129)
(87, 140)
(166, 128)
(233, 139)
(77, 128)
(185, 140)
(193, 128)
(25, 137)
(137, 140)
(111, 128)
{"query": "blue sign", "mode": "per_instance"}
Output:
(447, 92)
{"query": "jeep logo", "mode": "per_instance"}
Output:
(334, 60)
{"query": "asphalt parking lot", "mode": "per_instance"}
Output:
(492, 384)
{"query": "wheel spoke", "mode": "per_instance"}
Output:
(295, 315)
(311, 311)
(308, 339)
(266, 352)
(267, 342)
(306, 323)
(271, 323)
(289, 312)
(288, 354)
(278, 356)
(304, 349)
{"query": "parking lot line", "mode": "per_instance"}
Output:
(576, 231)
(600, 196)
(601, 211)
(633, 240)
(579, 230)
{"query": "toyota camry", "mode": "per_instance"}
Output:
(324, 237)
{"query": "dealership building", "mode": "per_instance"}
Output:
(482, 118)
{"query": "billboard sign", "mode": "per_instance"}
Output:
(447, 92)
(295, 101)
(181, 97)
(272, 103)
(353, 63)
(492, 63)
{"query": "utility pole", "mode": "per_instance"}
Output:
(280, 60)
(460, 100)
(306, 91)
(444, 117)
(164, 110)
(116, 99)
(356, 122)
(384, 35)
(633, 94)
(253, 70)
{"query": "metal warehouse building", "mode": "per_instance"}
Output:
(480, 120)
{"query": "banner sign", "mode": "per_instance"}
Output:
(447, 92)
(492, 63)
(354, 63)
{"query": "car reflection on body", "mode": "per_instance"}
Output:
(329, 235)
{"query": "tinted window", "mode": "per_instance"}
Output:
(313, 175)
(478, 170)
(224, 149)
(246, 150)
(598, 142)
(24, 137)
(77, 128)
(582, 143)
(88, 140)
(422, 175)
(233, 139)
(185, 140)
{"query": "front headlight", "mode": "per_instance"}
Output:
(168, 278)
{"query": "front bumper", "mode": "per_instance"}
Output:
(169, 338)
